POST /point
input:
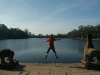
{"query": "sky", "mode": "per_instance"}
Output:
(49, 16)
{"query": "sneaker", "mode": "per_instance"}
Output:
(45, 58)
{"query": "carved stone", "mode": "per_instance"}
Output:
(6, 53)
(89, 53)
(9, 62)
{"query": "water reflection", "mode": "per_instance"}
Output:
(33, 50)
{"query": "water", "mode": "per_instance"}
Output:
(33, 50)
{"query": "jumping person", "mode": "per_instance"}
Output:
(51, 46)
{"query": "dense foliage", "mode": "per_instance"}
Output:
(12, 33)
(16, 33)
(82, 31)
(59, 35)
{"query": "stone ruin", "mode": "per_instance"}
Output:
(9, 63)
(89, 53)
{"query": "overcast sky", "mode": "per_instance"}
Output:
(49, 16)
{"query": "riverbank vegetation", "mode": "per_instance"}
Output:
(16, 33)
(80, 33)
(12, 33)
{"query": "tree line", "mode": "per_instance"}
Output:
(59, 35)
(16, 33)
(12, 33)
(82, 31)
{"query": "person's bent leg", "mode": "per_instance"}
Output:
(55, 52)
(47, 53)
(56, 55)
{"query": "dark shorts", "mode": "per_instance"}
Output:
(51, 47)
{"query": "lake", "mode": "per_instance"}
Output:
(33, 50)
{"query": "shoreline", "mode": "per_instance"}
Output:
(96, 39)
(85, 39)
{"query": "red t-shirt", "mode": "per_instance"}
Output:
(51, 41)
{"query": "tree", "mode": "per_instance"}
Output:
(3, 31)
(84, 30)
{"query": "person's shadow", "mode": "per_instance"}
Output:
(18, 67)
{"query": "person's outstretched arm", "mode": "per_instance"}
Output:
(45, 41)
